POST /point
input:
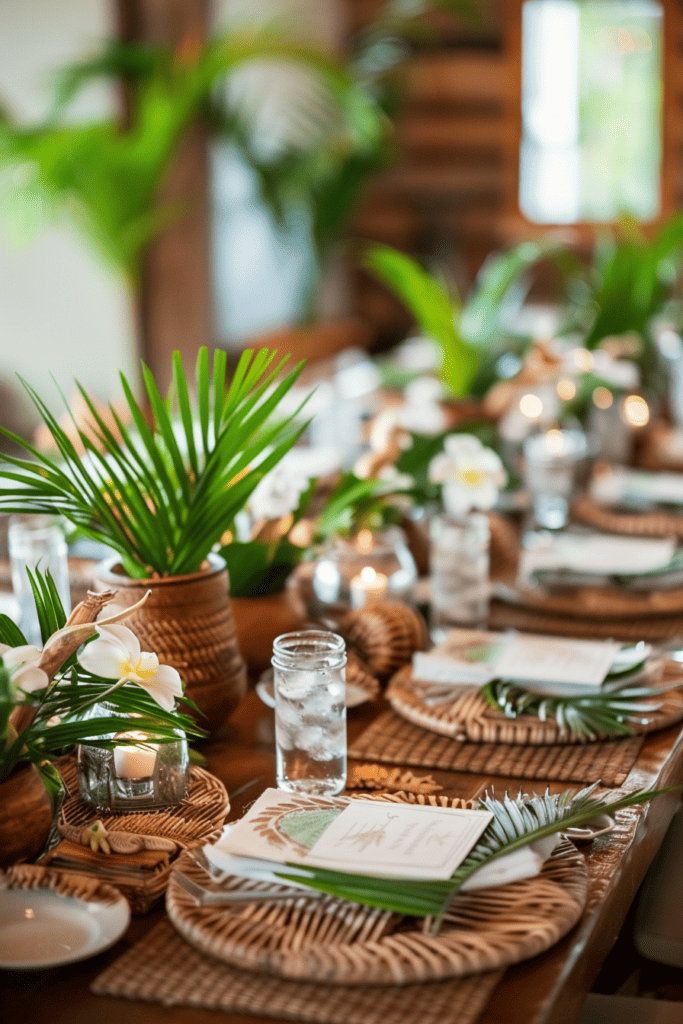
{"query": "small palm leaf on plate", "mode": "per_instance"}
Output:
(588, 716)
(516, 823)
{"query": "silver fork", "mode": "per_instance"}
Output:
(209, 897)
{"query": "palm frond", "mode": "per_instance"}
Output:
(589, 716)
(162, 494)
(516, 823)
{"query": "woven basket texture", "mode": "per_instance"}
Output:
(163, 968)
(197, 820)
(394, 740)
(342, 943)
(188, 622)
(469, 717)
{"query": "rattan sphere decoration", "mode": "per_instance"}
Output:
(358, 674)
(385, 635)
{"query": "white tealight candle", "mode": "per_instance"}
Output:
(135, 761)
(369, 586)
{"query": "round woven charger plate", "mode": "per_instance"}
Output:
(469, 717)
(333, 941)
(650, 523)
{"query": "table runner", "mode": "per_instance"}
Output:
(163, 968)
(391, 738)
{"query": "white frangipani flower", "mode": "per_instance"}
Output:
(22, 665)
(277, 494)
(471, 474)
(116, 654)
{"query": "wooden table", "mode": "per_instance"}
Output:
(546, 990)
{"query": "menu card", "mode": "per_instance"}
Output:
(471, 659)
(385, 840)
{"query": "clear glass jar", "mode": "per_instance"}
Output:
(459, 573)
(355, 571)
(142, 775)
(551, 463)
(36, 541)
(310, 712)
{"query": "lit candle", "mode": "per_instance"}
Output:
(135, 761)
(368, 587)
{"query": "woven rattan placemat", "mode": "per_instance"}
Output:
(392, 738)
(163, 968)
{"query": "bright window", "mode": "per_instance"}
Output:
(591, 110)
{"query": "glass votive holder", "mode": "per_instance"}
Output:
(551, 462)
(310, 712)
(459, 573)
(356, 571)
(36, 542)
(140, 773)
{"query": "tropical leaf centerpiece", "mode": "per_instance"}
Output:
(45, 696)
(163, 491)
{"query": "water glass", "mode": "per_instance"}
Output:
(551, 462)
(459, 573)
(36, 542)
(310, 712)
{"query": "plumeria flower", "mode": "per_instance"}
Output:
(22, 665)
(471, 474)
(277, 494)
(116, 654)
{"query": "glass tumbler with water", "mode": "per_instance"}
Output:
(310, 712)
(36, 542)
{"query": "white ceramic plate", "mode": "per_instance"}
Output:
(355, 695)
(41, 928)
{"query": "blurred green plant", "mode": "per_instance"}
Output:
(356, 504)
(107, 176)
(471, 334)
(628, 282)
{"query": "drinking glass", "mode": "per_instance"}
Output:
(459, 573)
(310, 712)
(36, 542)
(551, 462)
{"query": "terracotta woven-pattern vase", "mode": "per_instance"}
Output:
(187, 622)
(25, 815)
(259, 620)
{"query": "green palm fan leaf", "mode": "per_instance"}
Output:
(516, 822)
(162, 493)
(587, 716)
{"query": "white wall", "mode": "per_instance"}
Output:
(61, 310)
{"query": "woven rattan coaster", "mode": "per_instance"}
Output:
(396, 740)
(163, 968)
(197, 820)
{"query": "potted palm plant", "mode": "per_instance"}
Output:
(161, 494)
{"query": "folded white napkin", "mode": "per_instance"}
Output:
(524, 863)
(513, 867)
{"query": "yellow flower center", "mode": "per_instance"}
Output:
(129, 669)
(471, 477)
